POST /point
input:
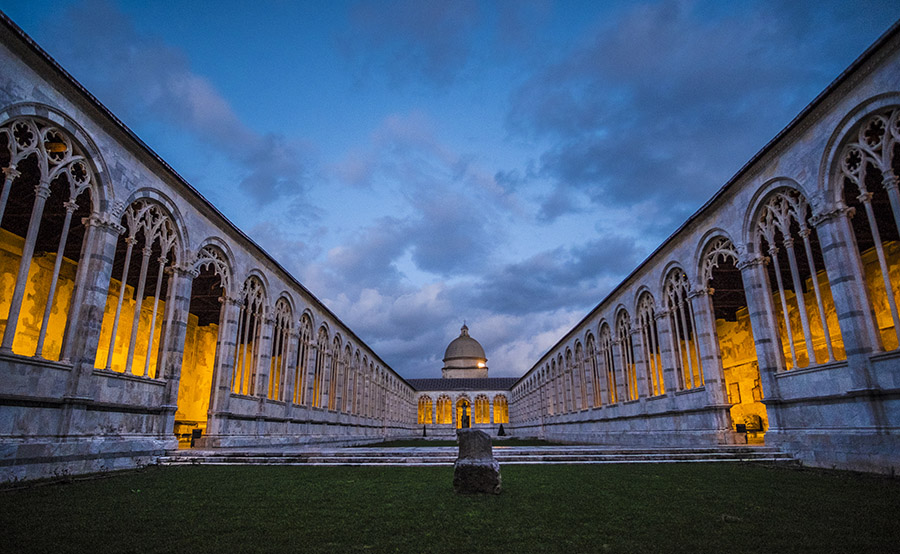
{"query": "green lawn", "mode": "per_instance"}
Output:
(599, 508)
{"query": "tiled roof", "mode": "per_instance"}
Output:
(488, 383)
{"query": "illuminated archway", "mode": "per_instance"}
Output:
(425, 409)
(501, 409)
(734, 336)
(463, 413)
(201, 359)
(444, 410)
(868, 180)
(45, 201)
(481, 412)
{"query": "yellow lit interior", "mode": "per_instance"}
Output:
(461, 407)
(815, 322)
(481, 412)
(501, 409)
(35, 300)
(741, 373)
(877, 294)
(425, 408)
(196, 378)
(444, 411)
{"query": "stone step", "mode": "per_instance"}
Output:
(447, 456)
(287, 451)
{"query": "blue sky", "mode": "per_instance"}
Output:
(418, 163)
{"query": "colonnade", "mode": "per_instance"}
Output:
(774, 308)
(444, 409)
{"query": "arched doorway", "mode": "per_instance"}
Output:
(201, 345)
(734, 336)
(463, 413)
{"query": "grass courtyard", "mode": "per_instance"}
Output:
(543, 508)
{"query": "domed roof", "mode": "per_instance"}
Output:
(464, 346)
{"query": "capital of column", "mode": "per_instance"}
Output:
(752, 262)
(865, 197)
(889, 180)
(42, 189)
(230, 300)
(182, 270)
(103, 221)
(11, 172)
(788, 242)
(147, 250)
(702, 291)
(840, 210)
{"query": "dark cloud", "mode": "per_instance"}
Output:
(665, 101)
(369, 260)
(451, 220)
(412, 39)
(144, 80)
(562, 278)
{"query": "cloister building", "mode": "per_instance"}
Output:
(137, 316)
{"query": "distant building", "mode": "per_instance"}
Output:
(465, 395)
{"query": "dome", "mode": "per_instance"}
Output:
(464, 346)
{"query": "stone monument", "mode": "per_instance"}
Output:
(475, 470)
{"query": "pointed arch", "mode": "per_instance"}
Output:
(280, 359)
(652, 355)
(249, 336)
(797, 279)
(676, 289)
(131, 325)
(50, 187)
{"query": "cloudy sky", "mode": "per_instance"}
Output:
(419, 163)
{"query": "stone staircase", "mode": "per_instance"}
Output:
(437, 456)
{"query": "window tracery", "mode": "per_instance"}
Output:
(248, 337)
(647, 326)
(870, 165)
(683, 324)
(282, 330)
(50, 174)
(609, 361)
(803, 325)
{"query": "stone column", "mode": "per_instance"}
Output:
(761, 308)
(667, 355)
(174, 331)
(92, 278)
(85, 320)
(310, 373)
(326, 378)
(640, 363)
(41, 193)
(708, 345)
(711, 361)
(603, 377)
(846, 277)
(224, 370)
(620, 369)
(260, 387)
(290, 380)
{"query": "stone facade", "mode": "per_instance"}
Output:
(770, 315)
(224, 346)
